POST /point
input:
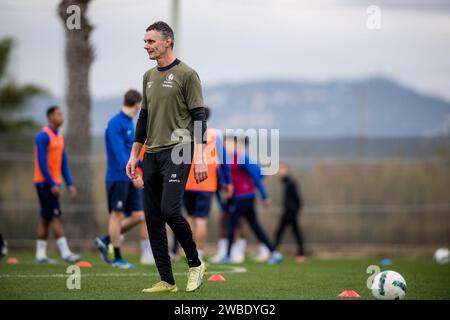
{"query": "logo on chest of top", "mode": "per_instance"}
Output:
(149, 84)
(168, 83)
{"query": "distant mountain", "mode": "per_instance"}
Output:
(373, 107)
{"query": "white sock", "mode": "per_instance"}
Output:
(234, 250)
(121, 239)
(41, 249)
(263, 250)
(146, 249)
(241, 246)
(200, 254)
(63, 247)
(222, 246)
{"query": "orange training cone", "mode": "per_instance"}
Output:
(12, 260)
(84, 264)
(349, 294)
(216, 277)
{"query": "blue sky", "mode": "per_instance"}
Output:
(236, 40)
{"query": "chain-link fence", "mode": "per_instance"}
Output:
(356, 192)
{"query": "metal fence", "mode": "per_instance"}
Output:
(356, 192)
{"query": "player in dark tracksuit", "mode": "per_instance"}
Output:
(292, 205)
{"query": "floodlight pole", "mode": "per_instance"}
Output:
(175, 10)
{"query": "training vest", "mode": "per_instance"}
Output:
(141, 157)
(211, 183)
(54, 157)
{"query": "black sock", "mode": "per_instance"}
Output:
(169, 281)
(194, 263)
(117, 254)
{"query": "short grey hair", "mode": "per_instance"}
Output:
(165, 30)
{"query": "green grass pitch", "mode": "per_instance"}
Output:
(314, 279)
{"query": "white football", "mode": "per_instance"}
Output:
(389, 285)
(442, 256)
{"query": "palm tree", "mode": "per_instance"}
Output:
(79, 56)
(13, 97)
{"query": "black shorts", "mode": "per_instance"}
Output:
(197, 203)
(124, 197)
(50, 207)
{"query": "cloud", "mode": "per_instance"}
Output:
(236, 41)
(435, 6)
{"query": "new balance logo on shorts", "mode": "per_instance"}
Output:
(173, 178)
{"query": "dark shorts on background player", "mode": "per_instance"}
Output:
(124, 197)
(50, 207)
(197, 203)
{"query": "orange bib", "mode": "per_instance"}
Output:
(54, 157)
(141, 157)
(211, 183)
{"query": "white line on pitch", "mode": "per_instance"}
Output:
(231, 269)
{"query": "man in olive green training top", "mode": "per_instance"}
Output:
(172, 102)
